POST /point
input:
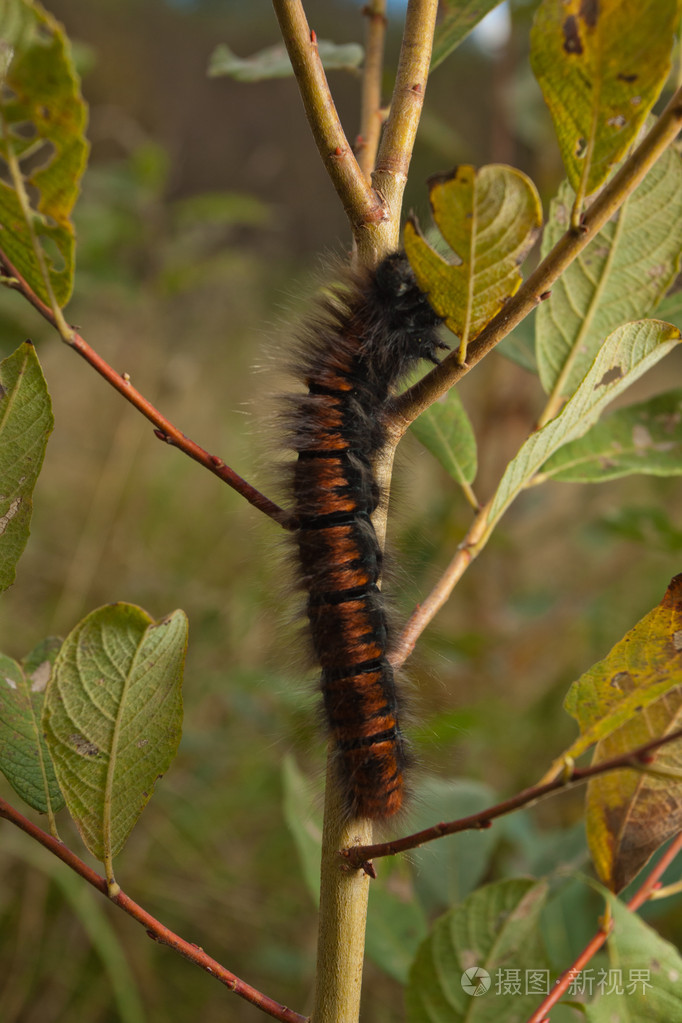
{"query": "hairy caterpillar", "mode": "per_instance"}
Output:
(366, 336)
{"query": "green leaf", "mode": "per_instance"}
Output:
(460, 18)
(25, 424)
(42, 124)
(495, 937)
(446, 431)
(395, 928)
(625, 355)
(489, 218)
(621, 276)
(670, 308)
(24, 759)
(112, 718)
(601, 66)
(303, 824)
(274, 62)
(519, 346)
(650, 974)
(644, 438)
(447, 870)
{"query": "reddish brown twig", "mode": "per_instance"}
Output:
(639, 898)
(637, 759)
(153, 927)
(164, 429)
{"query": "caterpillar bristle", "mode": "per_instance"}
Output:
(364, 338)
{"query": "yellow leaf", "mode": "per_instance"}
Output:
(630, 814)
(601, 65)
(630, 698)
(489, 218)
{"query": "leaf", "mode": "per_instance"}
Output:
(644, 438)
(274, 62)
(24, 759)
(621, 276)
(650, 974)
(112, 718)
(519, 346)
(461, 17)
(42, 125)
(670, 308)
(625, 355)
(645, 665)
(493, 935)
(446, 431)
(395, 929)
(447, 870)
(25, 424)
(630, 814)
(601, 65)
(489, 218)
(622, 702)
(301, 821)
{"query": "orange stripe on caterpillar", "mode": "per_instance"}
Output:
(365, 337)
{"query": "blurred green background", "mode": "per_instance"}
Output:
(201, 226)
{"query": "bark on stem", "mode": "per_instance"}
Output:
(371, 117)
(359, 199)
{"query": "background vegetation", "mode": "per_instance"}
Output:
(200, 227)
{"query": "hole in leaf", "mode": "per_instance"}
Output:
(581, 148)
(55, 258)
(38, 156)
(24, 130)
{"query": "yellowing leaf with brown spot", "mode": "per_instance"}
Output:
(644, 666)
(601, 65)
(630, 698)
(630, 814)
(489, 218)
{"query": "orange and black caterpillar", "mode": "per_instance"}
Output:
(366, 337)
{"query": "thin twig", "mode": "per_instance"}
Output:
(397, 141)
(371, 118)
(164, 429)
(155, 930)
(467, 551)
(637, 760)
(360, 201)
(409, 405)
(639, 898)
